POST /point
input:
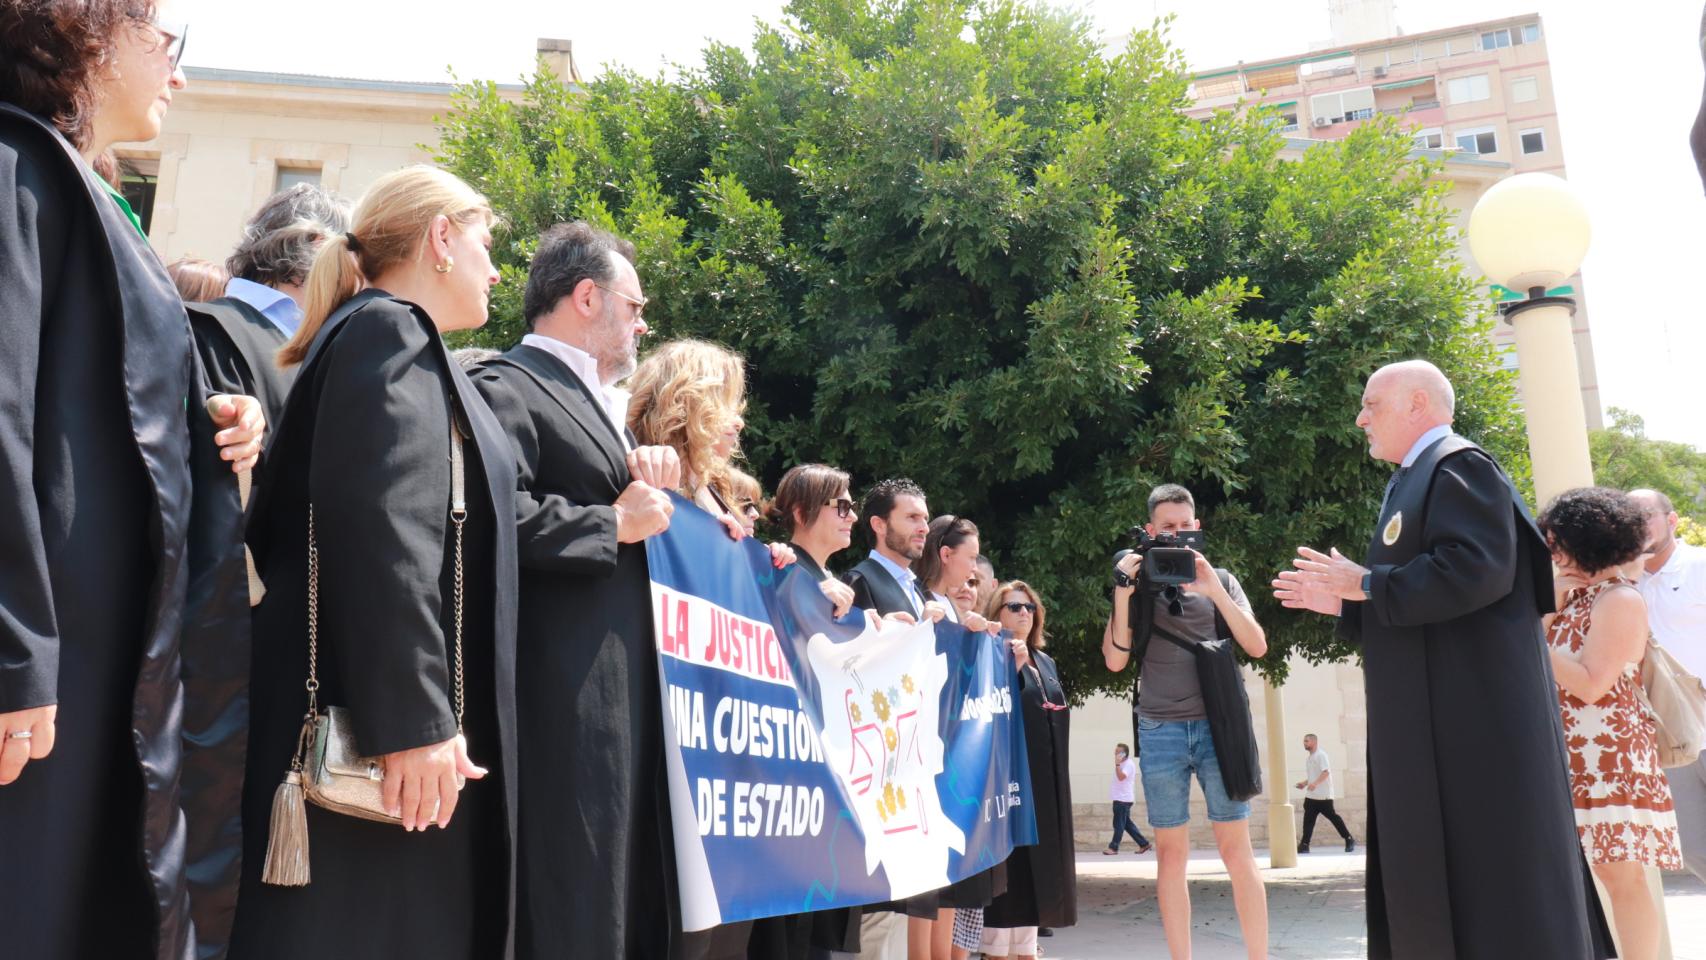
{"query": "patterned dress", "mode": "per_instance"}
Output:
(1621, 796)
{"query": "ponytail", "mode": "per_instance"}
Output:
(390, 223)
(335, 277)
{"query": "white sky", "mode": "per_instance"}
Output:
(1627, 77)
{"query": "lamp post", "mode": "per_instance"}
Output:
(1529, 233)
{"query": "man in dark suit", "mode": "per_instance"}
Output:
(595, 848)
(897, 519)
(1472, 848)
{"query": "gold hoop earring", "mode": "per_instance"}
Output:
(446, 266)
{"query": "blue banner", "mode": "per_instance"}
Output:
(816, 763)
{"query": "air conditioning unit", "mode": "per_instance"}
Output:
(1323, 121)
(1380, 71)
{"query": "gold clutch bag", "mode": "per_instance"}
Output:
(328, 769)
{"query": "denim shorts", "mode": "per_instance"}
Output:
(1169, 751)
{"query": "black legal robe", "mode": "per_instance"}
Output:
(365, 438)
(102, 428)
(596, 850)
(239, 347)
(1472, 848)
(1042, 879)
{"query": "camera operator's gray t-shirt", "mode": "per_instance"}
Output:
(1170, 688)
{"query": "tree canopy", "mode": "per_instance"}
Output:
(957, 241)
(1626, 458)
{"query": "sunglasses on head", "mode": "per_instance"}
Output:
(843, 507)
(1019, 607)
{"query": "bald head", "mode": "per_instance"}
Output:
(1661, 518)
(1401, 402)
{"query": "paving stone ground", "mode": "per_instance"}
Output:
(1315, 911)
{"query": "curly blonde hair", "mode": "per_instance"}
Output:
(685, 394)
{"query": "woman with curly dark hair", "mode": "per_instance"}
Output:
(103, 445)
(1597, 640)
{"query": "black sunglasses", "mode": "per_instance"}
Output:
(843, 507)
(172, 38)
(1017, 607)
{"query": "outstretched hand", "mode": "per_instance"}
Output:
(243, 426)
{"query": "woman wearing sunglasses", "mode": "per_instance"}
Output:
(1041, 879)
(103, 446)
(814, 506)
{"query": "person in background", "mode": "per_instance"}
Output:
(108, 427)
(814, 507)
(240, 329)
(1123, 796)
(1597, 640)
(197, 280)
(1042, 885)
(986, 582)
(946, 568)
(748, 496)
(1673, 583)
(1317, 787)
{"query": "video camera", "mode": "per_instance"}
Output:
(1168, 562)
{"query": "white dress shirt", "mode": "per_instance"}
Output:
(1676, 606)
(907, 580)
(612, 400)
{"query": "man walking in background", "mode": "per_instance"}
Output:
(1317, 787)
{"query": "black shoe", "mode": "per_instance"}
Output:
(1303, 848)
(1045, 931)
(1350, 845)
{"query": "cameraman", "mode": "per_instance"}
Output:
(1173, 729)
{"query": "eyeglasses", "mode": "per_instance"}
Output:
(843, 507)
(1020, 607)
(639, 305)
(172, 40)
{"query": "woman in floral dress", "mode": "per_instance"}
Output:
(1597, 640)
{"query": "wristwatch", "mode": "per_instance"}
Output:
(1368, 585)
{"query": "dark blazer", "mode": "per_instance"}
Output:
(365, 439)
(102, 398)
(1472, 848)
(239, 348)
(874, 588)
(597, 853)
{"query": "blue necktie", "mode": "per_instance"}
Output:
(1391, 484)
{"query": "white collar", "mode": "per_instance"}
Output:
(585, 366)
(901, 575)
(274, 304)
(1424, 441)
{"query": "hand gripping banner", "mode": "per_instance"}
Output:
(816, 763)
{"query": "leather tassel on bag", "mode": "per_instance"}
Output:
(287, 838)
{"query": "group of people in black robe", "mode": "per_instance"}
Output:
(448, 548)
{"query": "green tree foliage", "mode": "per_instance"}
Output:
(957, 242)
(1626, 458)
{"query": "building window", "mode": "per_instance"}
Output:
(1430, 139)
(139, 181)
(1525, 89)
(1530, 33)
(291, 176)
(1495, 39)
(1468, 89)
(1330, 108)
(1481, 140)
(1533, 141)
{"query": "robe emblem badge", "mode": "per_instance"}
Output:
(1394, 527)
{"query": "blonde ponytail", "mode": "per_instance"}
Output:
(391, 221)
(334, 278)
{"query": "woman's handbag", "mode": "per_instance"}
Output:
(1228, 709)
(1678, 701)
(327, 770)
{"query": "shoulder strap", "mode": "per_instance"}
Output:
(458, 514)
